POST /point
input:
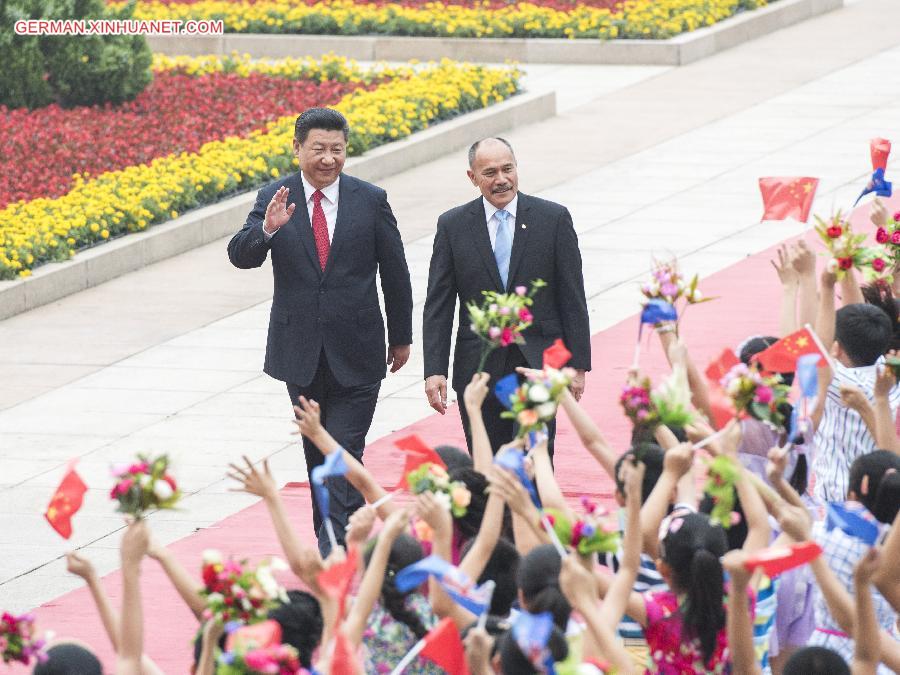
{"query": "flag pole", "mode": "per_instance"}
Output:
(709, 439)
(489, 586)
(329, 528)
(383, 499)
(409, 657)
(821, 347)
(552, 534)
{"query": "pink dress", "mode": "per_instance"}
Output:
(670, 651)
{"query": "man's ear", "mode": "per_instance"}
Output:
(471, 175)
(296, 146)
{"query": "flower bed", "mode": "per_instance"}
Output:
(640, 19)
(133, 198)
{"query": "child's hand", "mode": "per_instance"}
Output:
(885, 380)
(828, 280)
(478, 646)
(733, 562)
(804, 260)
(476, 391)
(678, 353)
(429, 509)
(79, 566)
(308, 419)
(508, 488)
(134, 543)
(854, 398)
(784, 267)
(679, 460)
(777, 464)
(254, 482)
(795, 521)
(633, 476)
(360, 525)
(396, 523)
(867, 566)
(878, 213)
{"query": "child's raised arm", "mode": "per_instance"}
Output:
(739, 621)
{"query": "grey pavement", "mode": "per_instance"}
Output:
(650, 161)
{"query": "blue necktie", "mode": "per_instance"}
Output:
(502, 245)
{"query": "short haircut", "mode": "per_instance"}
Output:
(69, 659)
(816, 660)
(473, 149)
(864, 332)
(319, 118)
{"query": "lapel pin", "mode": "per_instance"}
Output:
(524, 226)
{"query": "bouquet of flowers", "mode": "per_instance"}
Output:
(847, 250)
(277, 660)
(588, 533)
(760, 397)
(501, 318)
(235, 592)
(18, 643)
(452, 495)
(722, 475)
(144, 485)
(534, 402)
(669, 404)
(889, 239)
(667, 284)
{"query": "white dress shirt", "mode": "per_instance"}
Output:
(493, 223)
(330, 196)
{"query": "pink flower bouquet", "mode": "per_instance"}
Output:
(452, 495)
(18, 643)
(251, 651)
(144, 485)
(847, 251)
(234, 591)
(587, 534)
(667, 284)
(752, 393)
(501, 318)
(535, 401)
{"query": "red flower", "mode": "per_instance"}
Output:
(507, 337)
(525, 315)
(895, 237)
(845, 263)
(897, 217)
(882, 236)
(878, 265)
(834, 231)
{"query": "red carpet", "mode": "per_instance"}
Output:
(748, 295)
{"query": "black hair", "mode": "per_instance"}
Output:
(301, 624)
(454, 457)
(880, 295)
(538, 578)
(864, 332)
(815, 660)
(514, 662)
(495, 626)
(404, 552)
(69, 659)
(652, 457)
(883, 496)
(737, 533)
(692, 549)
(473, 149)
(642, 435)
(469, 524)
(319, 118)
(501, 568)
(753, 346)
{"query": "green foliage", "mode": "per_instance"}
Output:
(68, 69)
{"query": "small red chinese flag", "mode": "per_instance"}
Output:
(782, 356)
(343, 661)
(880, 149)
(720, 404)
(787, 197)
(65, 502)
(777, 559)
(336, 580)
(417, 453)
(257, 636)
(556, 355)
(444, 647)
(719, 368)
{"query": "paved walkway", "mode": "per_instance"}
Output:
(649, 160)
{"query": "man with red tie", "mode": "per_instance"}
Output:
(329, 234)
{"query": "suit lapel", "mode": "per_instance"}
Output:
(300, 220)
(482, 239)
(344, 221)
(520, 237)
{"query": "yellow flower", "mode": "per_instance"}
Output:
(105, 234)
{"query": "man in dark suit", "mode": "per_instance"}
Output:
(329, 233)
(502, 240)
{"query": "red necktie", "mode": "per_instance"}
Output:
(320, 228)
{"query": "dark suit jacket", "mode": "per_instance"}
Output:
(336, 309)
(545, 246)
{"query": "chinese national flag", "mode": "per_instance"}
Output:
(556, 355)
(782, 356)
(343, 661)
(880, 149)
(417, 453)
(444, 647)
(778, 559)
(787, 197)
(719, 368)
(720, 404)
(336, 580)
(65, 502)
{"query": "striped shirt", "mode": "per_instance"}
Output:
(842, 435)
(842, 552)
(764, 621)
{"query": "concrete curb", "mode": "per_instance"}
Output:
(676, 51)
(198, 227)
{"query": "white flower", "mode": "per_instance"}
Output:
(696, 296)
(538, 393)
(246, 604)
(734, 387)
(162, 490)
(443, 499)
(214, 598)
(546, 411)
(211, 556)
(267, 581)
(278, 564)
(145, 479)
